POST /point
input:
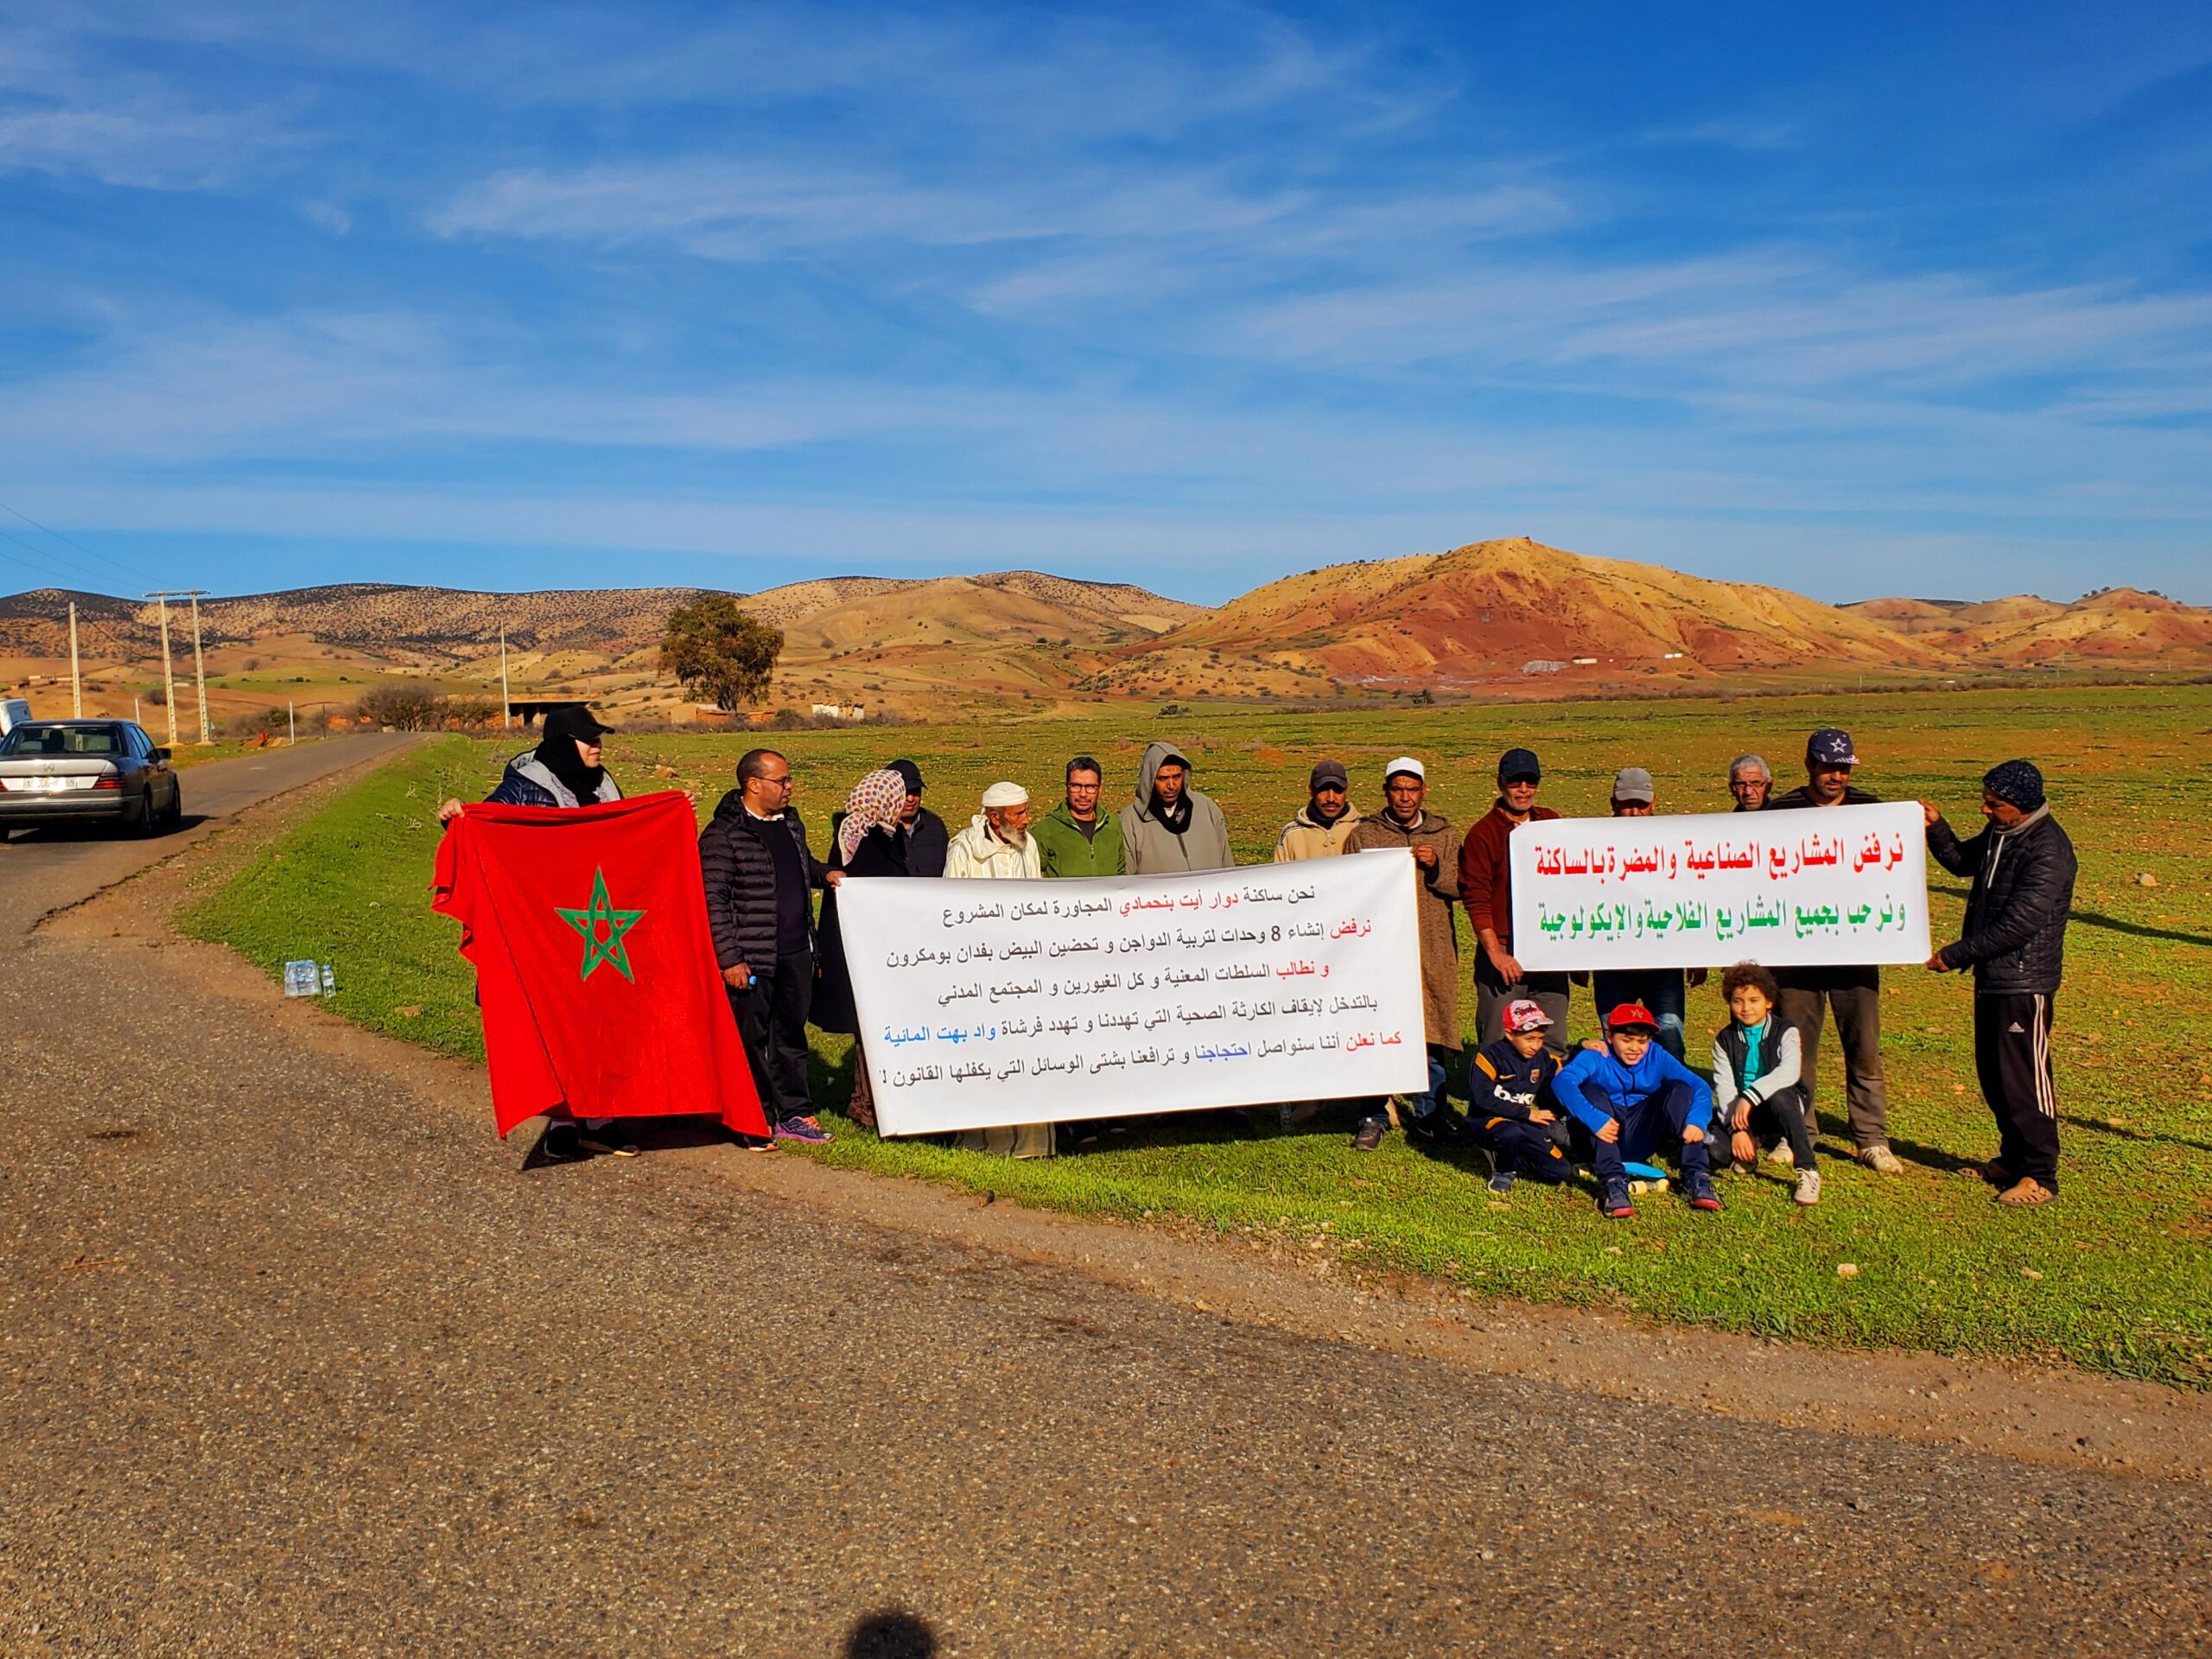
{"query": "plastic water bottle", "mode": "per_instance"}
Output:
(329, 981)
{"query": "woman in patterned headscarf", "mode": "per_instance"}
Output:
(869, 842)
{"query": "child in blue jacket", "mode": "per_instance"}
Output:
(1632, 1095)
(1510, 1102)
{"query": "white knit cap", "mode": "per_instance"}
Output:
(999, 795)
(1404, 763)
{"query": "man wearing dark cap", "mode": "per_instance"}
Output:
(1322, 824)
(2015, 940)
(1854, 993)
(927, 839)
(1486, 889)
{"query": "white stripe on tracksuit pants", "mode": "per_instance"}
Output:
(2011, 1057)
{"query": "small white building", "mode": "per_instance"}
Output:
(839, 711)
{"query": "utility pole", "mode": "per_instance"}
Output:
(168, 674)
(291, 725)
(505, 719)
(76, 679)
(199, 669)
(199, 664)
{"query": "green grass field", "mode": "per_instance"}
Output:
(2117, 1276)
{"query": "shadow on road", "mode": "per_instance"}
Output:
(50, 835)
(646, 1134)
(890, 1635)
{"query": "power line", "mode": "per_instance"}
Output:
(53, 562)
(127, 569)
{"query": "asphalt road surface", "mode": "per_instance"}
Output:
(295, 1360)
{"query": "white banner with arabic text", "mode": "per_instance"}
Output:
(1821, 885)
(985, 1003)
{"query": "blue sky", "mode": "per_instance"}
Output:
(1860, 300)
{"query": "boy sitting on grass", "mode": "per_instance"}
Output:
(1756, 1069)
(1508, 1084)
(1629, 1094)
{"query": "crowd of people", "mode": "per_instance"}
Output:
(1537, 1110)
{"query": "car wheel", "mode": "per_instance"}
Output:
(176, 807)
(149, 819)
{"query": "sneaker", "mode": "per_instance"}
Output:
(560, 1141)
(1613, 1204)
(1881, 1160)
(2026, 1191)
(1370, 1134)
(1809, 1187)
(752, 1142)
(1442, 1126)
(1779, 1153)
(609, 1140)
(1501, 1182)
(1698, 1188)
(803, 1130)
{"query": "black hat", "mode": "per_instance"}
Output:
(1330, 773)
(911, 772)
(574, 720)
(1519, 763)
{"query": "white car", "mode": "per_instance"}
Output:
(87, 772)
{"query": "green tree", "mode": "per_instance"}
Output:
(719, 653)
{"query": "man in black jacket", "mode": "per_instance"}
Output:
(759, 873)
(927, 839)
(2015, 941)
(1852, 992)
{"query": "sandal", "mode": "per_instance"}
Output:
(2026, 1191)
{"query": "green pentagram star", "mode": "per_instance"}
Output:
(586, 922)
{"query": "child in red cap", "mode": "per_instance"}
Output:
(1633, 1095)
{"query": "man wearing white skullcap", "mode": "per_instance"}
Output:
(997, 844)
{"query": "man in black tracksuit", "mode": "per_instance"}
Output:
(2015, 940)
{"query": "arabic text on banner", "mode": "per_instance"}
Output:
(1841, 884)
(985, 1003)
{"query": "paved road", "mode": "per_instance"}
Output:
(43, 869)
(296, 1360)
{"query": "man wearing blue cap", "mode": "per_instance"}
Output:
(1854, 993)
(2015, 941)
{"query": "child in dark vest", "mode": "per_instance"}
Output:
(1758, 1080)
(1510, 1113)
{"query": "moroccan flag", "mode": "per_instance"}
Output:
(587, 929)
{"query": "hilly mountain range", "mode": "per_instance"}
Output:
(1500, 618)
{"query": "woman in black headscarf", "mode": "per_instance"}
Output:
(563, 770)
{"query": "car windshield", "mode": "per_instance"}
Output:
(26, 741)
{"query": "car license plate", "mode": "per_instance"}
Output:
(50, 786)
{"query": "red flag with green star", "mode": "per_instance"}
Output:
(594, 966)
